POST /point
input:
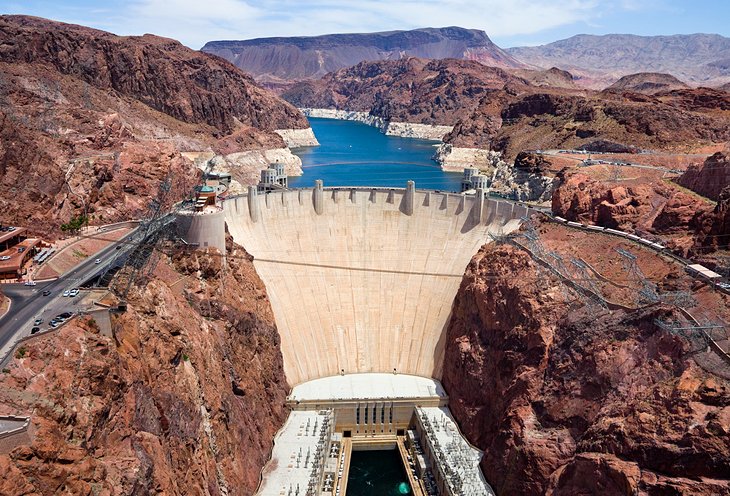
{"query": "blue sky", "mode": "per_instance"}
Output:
(508, 22)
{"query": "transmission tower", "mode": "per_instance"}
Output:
(584, 275)
(647, 292)
(698, 332)
(615, 173)
(154, 228)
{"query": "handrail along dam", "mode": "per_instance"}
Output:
(361, 282)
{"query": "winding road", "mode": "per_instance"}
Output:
(27, 302)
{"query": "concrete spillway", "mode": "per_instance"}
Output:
(363, 280)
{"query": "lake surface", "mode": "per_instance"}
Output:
(377, 473)
(355, 154)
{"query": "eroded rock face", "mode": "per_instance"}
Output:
(640, 206)
(718, 236)
(436, 92)
(185, 399)
(93, 123)
(190, 86)
(532, 163)
(554, 118)
(709, 178)
(568, 403)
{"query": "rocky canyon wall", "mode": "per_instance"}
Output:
(564, 402)
(184, 399)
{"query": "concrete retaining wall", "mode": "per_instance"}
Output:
(206, 230)
(13, 418)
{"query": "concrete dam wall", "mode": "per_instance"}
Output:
(363, 280)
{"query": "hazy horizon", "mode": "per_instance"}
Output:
(508, 23)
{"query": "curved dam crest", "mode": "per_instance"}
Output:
(363, 280)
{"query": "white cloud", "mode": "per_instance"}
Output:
(194, 22)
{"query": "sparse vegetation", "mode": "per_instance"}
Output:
(20, 352)
(80, 254)
(75, 223)
(185, 357)
(6, 371)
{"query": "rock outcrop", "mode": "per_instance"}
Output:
(566, 402)
(454, 159)
(717, 237)
(436, 92)
(185, 398)
(296, 138)
(92, 123)
(641, 206)
(279, 61)
(530, 179)
(648, 83)
(558, 120)
(709, 178)
(190, 86)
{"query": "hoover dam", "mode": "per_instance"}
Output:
(361, 282)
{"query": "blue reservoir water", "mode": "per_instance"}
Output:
(355, 154)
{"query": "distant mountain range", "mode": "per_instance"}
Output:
(699, 59)
(595, 61)
(274, 61)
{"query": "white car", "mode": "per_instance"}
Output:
(5, 257)
(97, 261)
(30, 283)
(73, 292)
(66, 293)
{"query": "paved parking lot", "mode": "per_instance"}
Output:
(59, 304)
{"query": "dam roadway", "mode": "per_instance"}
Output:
(363, 279)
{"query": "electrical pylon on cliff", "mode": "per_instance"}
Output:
(647, 291)
(139, 261)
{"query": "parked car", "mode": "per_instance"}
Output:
(54, 323)
(37, 322)
(34, 330)
(66, 315)
(66, 293)
(73, 292)
(5, 257)
(46, 292)
(30, 283)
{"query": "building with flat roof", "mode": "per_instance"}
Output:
(333, 416)
(13, 259)
(11, 236)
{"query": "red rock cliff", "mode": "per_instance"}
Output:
(565, 403)
(191, 86)
(92, 123)
(185, 399)
(709, 178)
(643, 206)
